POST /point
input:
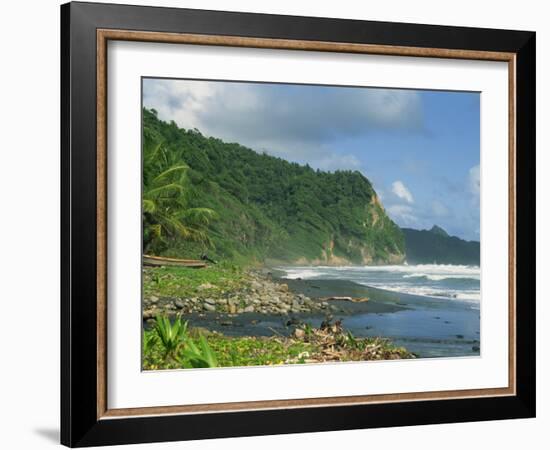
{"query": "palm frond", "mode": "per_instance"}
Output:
(151, 152)
(166, 196)
(169, 171)
(171, 187)
(149, 206)
(198, 215)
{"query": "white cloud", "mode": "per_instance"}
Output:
(403, 215)
(180, 102)
(291, 121)
(474, 180)
(389, 106)
(401, 191)
(335, 161)
(473, 185)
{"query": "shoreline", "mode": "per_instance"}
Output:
(379, 300)
(277, 321)
(426, 325)
(266, 292)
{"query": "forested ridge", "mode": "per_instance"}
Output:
(202, 195)
(435, 246)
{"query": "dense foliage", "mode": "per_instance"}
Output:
(236, 203)
(436, 246)
(167, 214)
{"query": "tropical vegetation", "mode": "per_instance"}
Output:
(167, 214)
(203, 195)
(173, 345)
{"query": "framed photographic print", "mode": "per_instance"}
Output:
(276, 224)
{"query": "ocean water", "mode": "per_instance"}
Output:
(453, 282)
(442, 315)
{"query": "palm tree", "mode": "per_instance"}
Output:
(165, 205)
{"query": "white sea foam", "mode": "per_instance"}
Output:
(303, 273)
(457, 282)
(430, 271)
(472, 296)
(434, 277)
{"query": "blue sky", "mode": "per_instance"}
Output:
(420, 149)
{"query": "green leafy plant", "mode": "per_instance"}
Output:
(150, 340)
(352, 341)
(171, 335)
(308, 329)
(198, 356)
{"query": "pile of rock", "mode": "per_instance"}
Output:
(261, 295)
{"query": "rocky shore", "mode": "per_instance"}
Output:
(258, 293)
(254, 305)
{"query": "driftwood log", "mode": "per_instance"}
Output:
(347, 299)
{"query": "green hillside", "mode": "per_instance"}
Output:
(436, 246)
(205, 195)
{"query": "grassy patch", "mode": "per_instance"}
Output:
(232, 351)
(258, 351)
(189, 282)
